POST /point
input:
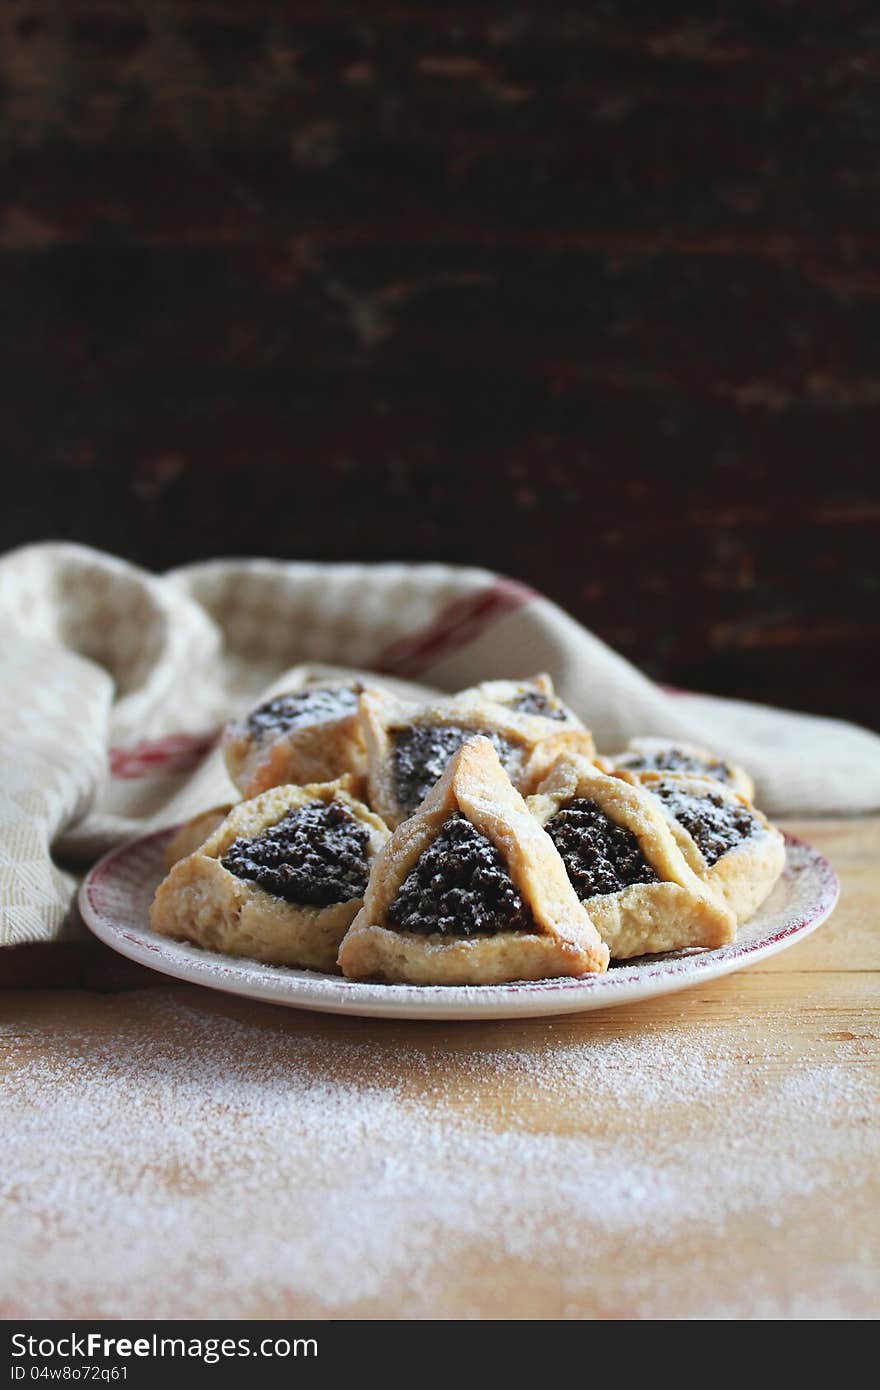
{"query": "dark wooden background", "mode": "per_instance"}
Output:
(587, 294)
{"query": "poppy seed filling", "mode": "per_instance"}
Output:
(420, 752)
(599, 855)
(459, 886)
(315, 855)
(714, 824)
(300, 708)
(676, 760)
(534, 702)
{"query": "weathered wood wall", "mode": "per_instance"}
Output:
(588, 294)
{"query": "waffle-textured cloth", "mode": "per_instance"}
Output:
(115, 681)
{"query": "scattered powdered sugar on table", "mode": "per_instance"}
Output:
(183, 1157)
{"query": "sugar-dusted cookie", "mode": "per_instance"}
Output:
(193, 833)
(279, 880)
(726, 840)
(409, 746)
(624, 863)
(684, 759)
(470, 890)
(534, 695)
(310, 734)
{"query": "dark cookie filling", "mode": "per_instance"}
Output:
(301, 707)
(533, 702)
(715, 825)
(676, 760)
(315, 855)
(420, 753)
(599, 855)
(459, 886)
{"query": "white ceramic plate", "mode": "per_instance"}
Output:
(116, 896)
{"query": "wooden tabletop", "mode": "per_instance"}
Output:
(172, 1152)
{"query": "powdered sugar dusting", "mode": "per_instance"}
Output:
(189, 1156)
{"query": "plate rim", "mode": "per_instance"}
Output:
(319, 993)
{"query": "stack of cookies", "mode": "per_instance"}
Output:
(473, 840)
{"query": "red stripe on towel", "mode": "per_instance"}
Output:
(459, 624)
(173, 753)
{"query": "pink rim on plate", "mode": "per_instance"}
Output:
(116, 896)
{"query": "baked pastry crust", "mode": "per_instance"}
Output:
(744, 875)
(533, 695)
(204, 902)
(640, 918)
(564, 942)
(532, 741)
(320, 749)
(193, 833)
(658, 755)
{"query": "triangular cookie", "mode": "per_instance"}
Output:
(310, 733)
(533, 695)
(730, 845)
(470, 890)
(625, 865)
(279, 880)
(682, 759)
(409, 746)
